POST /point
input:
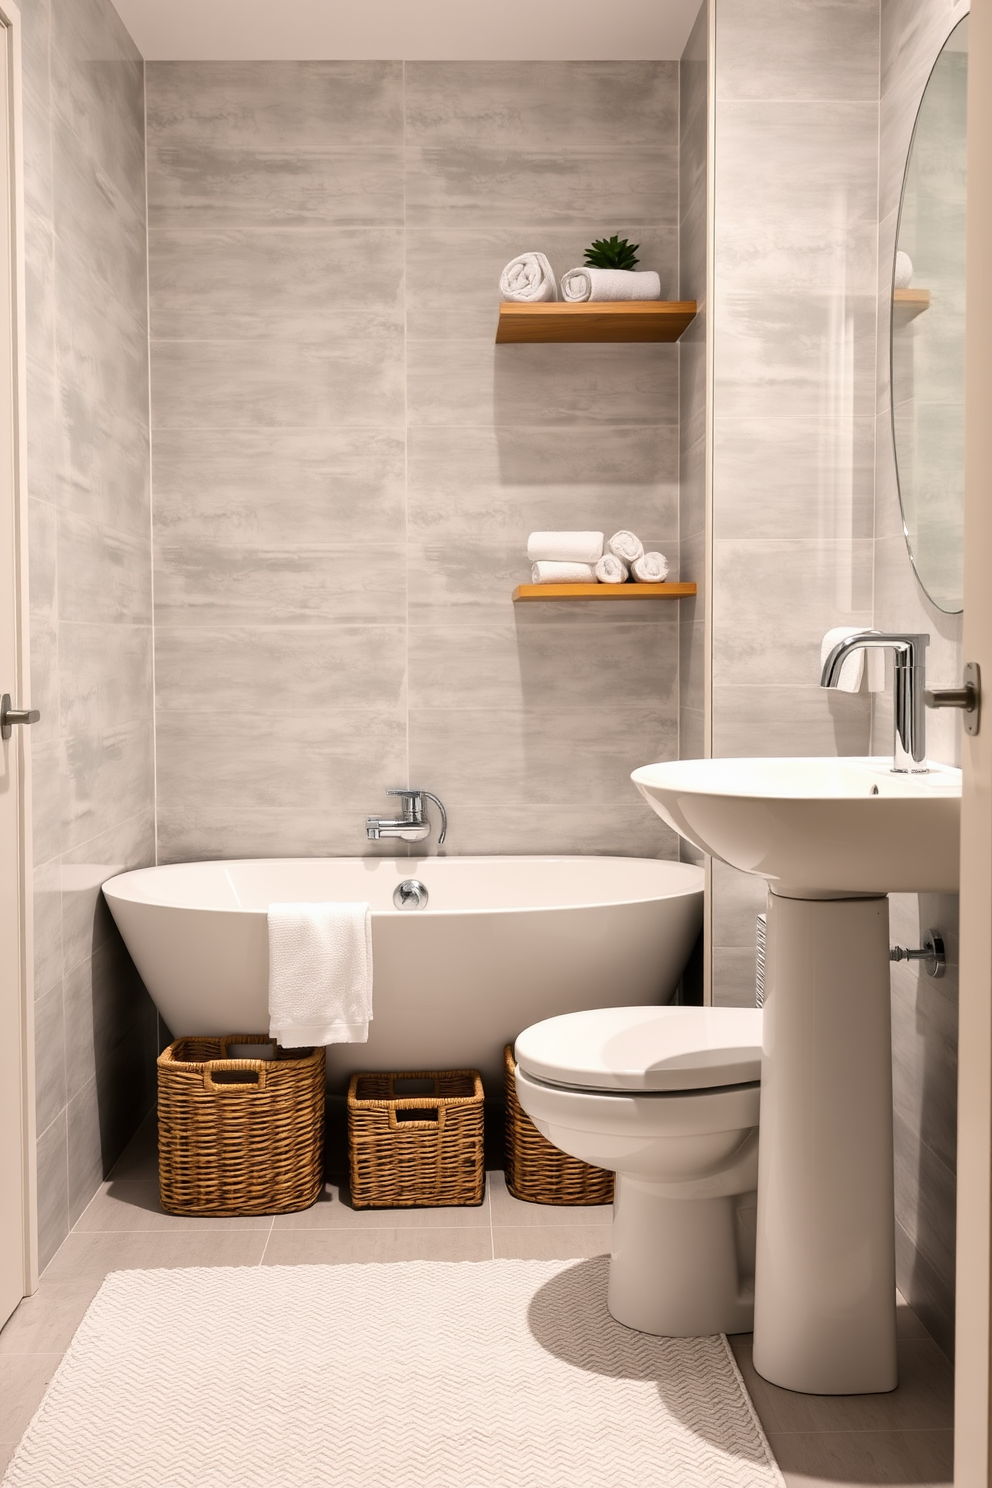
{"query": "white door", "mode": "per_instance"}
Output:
(972, 1458)
(15, 1121)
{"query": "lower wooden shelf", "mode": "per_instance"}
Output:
(594, 320)
(525, 593)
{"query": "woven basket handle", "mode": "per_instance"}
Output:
(213, 1066)
(435, 1122)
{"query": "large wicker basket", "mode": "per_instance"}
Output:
(535, 1169)
(239, 1136)
(419, 1145)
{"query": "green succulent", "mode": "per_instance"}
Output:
(612, 253)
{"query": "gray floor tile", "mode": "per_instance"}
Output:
(923, 1400)
(517, 1213)
(132, 1205)
(46, 1322)
(857, 1458)
(333, 1211)
(94, 1255)
(345, 1247)
(23, 1378)
(550, 1242)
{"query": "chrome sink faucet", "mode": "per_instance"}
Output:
(413, 825)
(909, 745)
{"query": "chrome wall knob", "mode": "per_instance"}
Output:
(9, 716)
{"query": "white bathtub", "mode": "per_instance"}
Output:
(502, 943)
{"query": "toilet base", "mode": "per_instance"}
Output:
(676, 1267)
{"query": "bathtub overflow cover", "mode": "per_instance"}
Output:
(410, 894)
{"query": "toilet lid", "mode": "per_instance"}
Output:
(645, 1048)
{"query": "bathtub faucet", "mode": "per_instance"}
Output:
(413, 825)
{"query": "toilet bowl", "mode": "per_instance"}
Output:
(666, 1098)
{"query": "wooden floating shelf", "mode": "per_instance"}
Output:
(907, 304)
(599, 320)
(524, 593)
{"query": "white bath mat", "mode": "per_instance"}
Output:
(495, 1374)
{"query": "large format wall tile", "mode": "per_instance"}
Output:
(255, 106)
(346, 468)
(224, 385)
(563, 104)
(90, 575)
(488, 184)
(805, 49)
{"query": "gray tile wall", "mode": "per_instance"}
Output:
(793, 401)
(346, 467)
(90, 584)
(924, 1012)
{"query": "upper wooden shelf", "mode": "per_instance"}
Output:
(526, 592)
(908, 303)
(594, 320)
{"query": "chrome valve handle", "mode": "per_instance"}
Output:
(413, 806)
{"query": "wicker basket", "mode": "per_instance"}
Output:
(535, 1169)
(416, 1146)
(253, 1145)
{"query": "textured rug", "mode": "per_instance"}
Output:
(496, 1374)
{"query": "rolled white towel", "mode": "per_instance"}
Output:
(610, 284)
(563, 573)
(565, 547)
(650, 568)
(609, 570)
(625, 546)
(853, 669)
(903, 270)
(529, 278)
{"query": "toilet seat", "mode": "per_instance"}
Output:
(645, 1049)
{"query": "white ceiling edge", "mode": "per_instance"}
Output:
(408, 30)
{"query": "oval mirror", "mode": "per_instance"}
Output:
(928, 331)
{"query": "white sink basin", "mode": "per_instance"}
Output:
(816, 827)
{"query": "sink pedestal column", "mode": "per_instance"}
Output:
(824, 1310)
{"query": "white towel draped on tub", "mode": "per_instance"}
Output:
(565, 547)
(610, 284)
(853, 669)
(528, 279)
(320, 973)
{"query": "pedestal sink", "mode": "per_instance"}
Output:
(831, 837)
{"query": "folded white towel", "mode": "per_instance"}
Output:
(610, 284)
(609, 570)
(528, 279)
(563, 573)
(625, 546)
(853, 669)
(320, 973)
(565, 547)
(650, 568)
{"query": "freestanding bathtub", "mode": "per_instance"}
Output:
(501, 944)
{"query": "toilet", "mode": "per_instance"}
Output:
(667, 1098)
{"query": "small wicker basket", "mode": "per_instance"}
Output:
(416, 1146)
(535, 1169)
(250, 1144)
